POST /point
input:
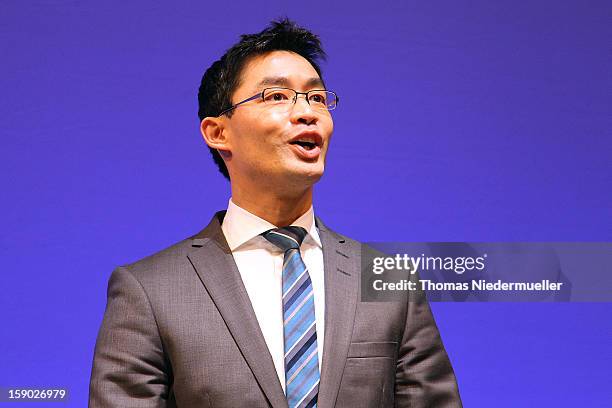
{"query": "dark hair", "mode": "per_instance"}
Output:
(223, 77)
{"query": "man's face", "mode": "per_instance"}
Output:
(263, 138)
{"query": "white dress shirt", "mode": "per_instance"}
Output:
(260, 264)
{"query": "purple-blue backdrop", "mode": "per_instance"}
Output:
(462, 121)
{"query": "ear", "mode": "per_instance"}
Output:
(214, 134)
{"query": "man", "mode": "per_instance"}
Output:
(261, 308)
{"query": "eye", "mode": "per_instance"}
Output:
(276, 96)
(318, 98)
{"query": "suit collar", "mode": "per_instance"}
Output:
(215, 266)
(341, 259)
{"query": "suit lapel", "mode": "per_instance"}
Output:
(214, 264)
(341, 263)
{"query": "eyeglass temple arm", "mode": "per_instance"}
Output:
(224, 111)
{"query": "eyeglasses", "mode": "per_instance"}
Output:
(318, 99)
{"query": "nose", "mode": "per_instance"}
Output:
(302, 112)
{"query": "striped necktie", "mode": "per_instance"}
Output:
(301, 359)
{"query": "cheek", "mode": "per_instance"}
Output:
(260, 125)
(331, 128)
(328, 127)
(257, 137)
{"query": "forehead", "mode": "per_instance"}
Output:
(281, 66)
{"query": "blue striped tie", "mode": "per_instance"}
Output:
(301, 359)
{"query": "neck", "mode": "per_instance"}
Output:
(278, 209)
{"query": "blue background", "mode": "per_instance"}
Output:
(466, 121)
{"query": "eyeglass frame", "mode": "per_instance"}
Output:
(261, 95)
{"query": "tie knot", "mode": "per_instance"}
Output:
(286, 238)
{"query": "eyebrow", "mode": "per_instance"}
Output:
(284, 81)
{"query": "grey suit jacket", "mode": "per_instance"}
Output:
(179, 331)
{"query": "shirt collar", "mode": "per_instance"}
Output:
(240, 226)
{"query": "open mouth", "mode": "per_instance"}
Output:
(307, 145)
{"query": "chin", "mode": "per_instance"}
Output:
(314, 171)
(303, 177)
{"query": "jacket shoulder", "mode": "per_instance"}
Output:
(354, 244)
(165, 262)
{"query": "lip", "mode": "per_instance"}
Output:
(311, 154)
(303, 153)
(315, 136)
